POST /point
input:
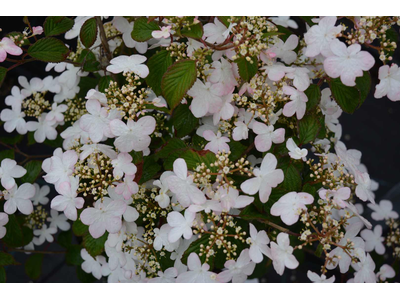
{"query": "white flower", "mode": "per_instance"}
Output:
(290, 206)
(126, 28)
(58, 220)
(88, 149)
(182, 185)
(181, 225)
(383, 211)
(15, 99)
(133, 63)
(364, 269)
(267, 177)
(281, 254)
(68, 201)
(385, 272)
(96, 266)
(8, 46)
(226, 109)
(164, 33)
(128, 187)
(319, 37)
(197, 273)
(294, 151)
(277, 71)
(284, 50)
(122, 165)
(206, 98)
(3, 222)
(328, 106)
(314, 277)
(244, 121)
(216, 142)
(73, 136)
(214, 33)
(222, 74)
(297, 105)
(8, 171)
(43, 128)
(40, 194)
(374, 240)
(165, 277)
(301, 80)
(19, 197)
(230, 198)
(56, 113)
(60, 166)
(363, 189)
(162, 198)
(266, 135)
(105, 215)
(133, 135)
(193, 45)
(161, 239)
(337, 196)
(14, 119)
(44, 234)
(258, 244)
(238, 270)
(389, 84)
(347, 62)
(284, 21)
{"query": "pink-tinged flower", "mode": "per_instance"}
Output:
(43, 128)
(225, 110)
(363, 189)
(222, 75)
(37, 30)
(3, 222)
(123, 165)
(8, 46)
(169, 276)
(8, 171)
(68, 201)
(60, 166)
(297, 105)
(314, 277)
(131, 214)
(301, 80)
(92, 94)
(337, 196)
(133, 135)
(230, 198)
(104, 216)
(294, 151)
(206, 98)
(214, 33)
(164, 33)
(244, 121)
(385, 272)
(347, 62)
(266, 178)
(238, 270)
(281, 254)
(161, 239)
(125, 28)
(44, 234)
(181, 225)
(290, 206)
(374, 240)
(258, 244)
(197, 273)
(364, 269)
(266, 135)
(383, 210)
(277, 71)
(284, 50)
(319, 37)
(182, 185)
(133, 63)
(14, 119)
(128, 187)
(216, 142)
(19, 198)
(389, 84)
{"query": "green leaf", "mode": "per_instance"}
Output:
(309, 128)
(33, 169)
(183, 120)
(88, 33)
(236, 149)
(64, 238)
(224, 20)
(3, 277)
(292, 179)
(57, 25)
(195, 247)
(313, 94)
(3, 73)
(195, 31)
(85, 84)
(178, 79)
(172, 145)
(33, 266)
(7, 154)
(94, 246)
(246, 69)
(150, 168)
(347, 97)
(49, 49)
(79, 228)
(73, 256)
(12, 140)
(14, 237)
(271, 33)
(104, 83)
(84, 277)
(158, 65)
(308, 20)
(363, 84)
(142, 29)
(308, 188)
(7, 259)
(90, 63)
(320, 250)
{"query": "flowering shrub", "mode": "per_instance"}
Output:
(196, 149)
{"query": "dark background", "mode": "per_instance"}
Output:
(374, 129)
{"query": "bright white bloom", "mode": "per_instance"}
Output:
(197, 273)
(126, 28)
(383, 211)
(297, 105)
(181, 225)
(15, 99)
(97, 148)
(8, 171)
(44, 234)
(374, 240)
(238, 270)
(301, 79)
(281, 254)
(385, 272)
(133, 63)
(73, 136)
(43, 128)
(169, 276)
(96, 266)
(162, 198)
(182, 185)
(364, 269)
(164, 33)
(122, 165)
(290, 206)
(14, 119)
(3, 222)
(347, 62)
(19, 198)
(363, 189)
(105, 215)
(319, 37)
(266, 136)
(266, 178)
(161, 239)
(214, 33)
(389, 84)
(133, 135)
(93, 94)
(216, 142)
(58, 220)
(230, 198)
(314, 277)
(60, 166)
(295, 152)
(206, 98)
(258, 244)
(56, 113)
(68, 201)
(277, 71)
